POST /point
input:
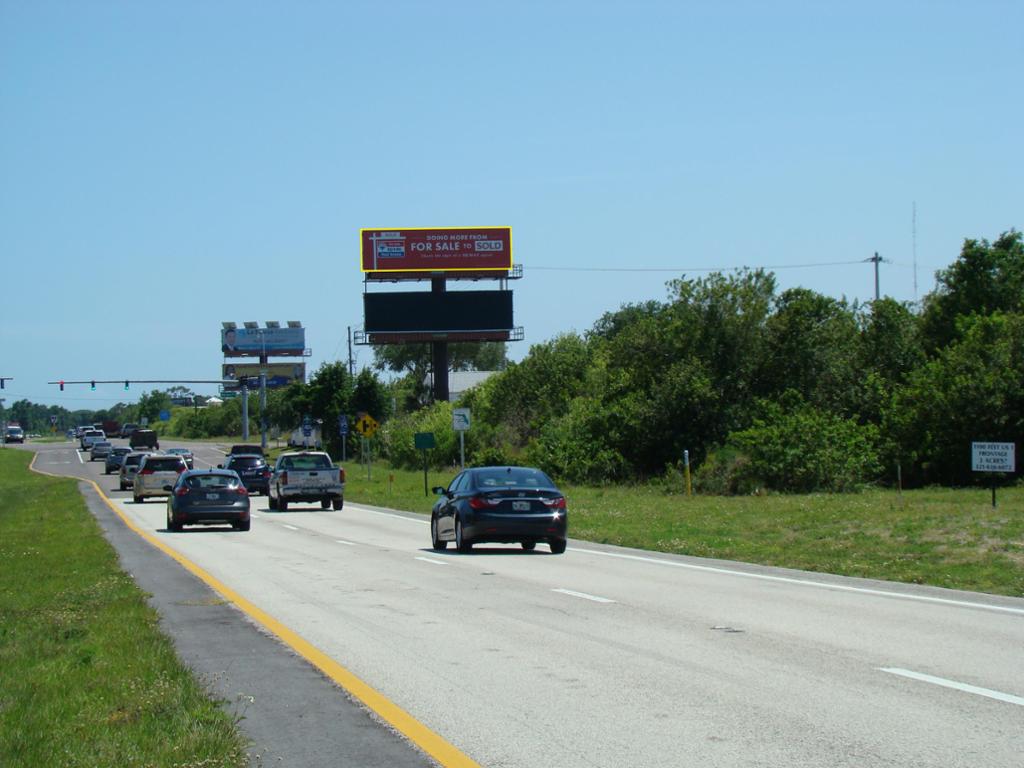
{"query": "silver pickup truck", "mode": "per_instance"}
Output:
(306, 476)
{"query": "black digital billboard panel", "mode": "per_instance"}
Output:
(437, 313)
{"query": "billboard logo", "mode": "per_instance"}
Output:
(488, 246)
(388, 245)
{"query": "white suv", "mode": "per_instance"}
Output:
(91, 436)
(155, 471)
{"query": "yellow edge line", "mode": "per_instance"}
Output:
(434, 745)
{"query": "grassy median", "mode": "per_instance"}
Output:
(86, 677)
(944, 537)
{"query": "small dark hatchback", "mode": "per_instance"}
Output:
(500, 504)
(205, 497)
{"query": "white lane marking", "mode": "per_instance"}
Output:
(390, 514)
(290, 527)
(584, 595)
(435, 562)
(987, 692)
(79, 455)
(805, 582)
(346, 543)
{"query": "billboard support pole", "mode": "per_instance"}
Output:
(439, 350)
(245, 412)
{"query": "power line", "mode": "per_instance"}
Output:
(694, 269)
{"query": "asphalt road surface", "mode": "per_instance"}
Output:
(606, 656)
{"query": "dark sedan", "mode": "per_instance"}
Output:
(207, 496)
(253, 469)
(114, 459)
(500, 504)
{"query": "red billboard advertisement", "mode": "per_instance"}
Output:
(449, 249)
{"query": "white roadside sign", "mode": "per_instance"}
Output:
(460, 419)
(993, 457)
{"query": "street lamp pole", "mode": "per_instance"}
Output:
(263, 389)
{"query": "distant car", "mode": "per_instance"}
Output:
(100, 450)
(14, 435)
(185, 453)
(127, 429)
(115, 458)
(206, 496)
(306, 476)
(252, 469)
(129, 467)
(238, 450)
(144, 438)
(89, 437)
(501, 504)
(156, 470)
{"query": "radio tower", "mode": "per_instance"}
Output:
(913, 231)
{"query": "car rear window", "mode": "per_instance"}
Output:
(247, 462)
(513, 478)
(129, 460)
(306, 462)
(212, 481)
(101, 444)
(168, 464)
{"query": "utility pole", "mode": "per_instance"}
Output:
(877, 260)
(351, 362)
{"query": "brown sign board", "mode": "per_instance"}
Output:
(420, 250)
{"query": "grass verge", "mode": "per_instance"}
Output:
(86, 677)
(943, 537)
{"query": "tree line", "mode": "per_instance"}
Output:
(791, 390)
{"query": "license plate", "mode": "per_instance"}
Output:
(213, 496)
(521, 506)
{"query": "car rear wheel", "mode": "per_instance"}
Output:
(438, 544)
(171, 525)
(242, 526)
(338, 503)
(136, 498)
(282, 504)
(529, 545)
(325, 503)
(557, 546)
(271, 501)
(461, 543)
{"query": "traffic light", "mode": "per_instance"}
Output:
(62, 385)
(126, 385)
(92, 385)
(2, 380)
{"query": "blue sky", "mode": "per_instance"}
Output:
(165, 166)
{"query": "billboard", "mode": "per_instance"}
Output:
(278, 374)
(448, 249)
(429, 316)
(253, 342)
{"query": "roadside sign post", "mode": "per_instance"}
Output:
(424, 441)
(686, 471)
(994, 457)
(366, 426)
(461, 424)
(307, 430)
(343, 431)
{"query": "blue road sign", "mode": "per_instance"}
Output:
(342, 424)
(165, 415)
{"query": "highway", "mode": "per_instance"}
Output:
(613, 657)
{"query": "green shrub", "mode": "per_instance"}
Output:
(727, 472)
(806, 449)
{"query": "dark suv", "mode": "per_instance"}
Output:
(253, 471)
(252, 450)
(144, 438)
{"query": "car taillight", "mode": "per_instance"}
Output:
(557, 503)
(146, 471)
(183, 491)
(482, 502)
(266, 472)
(181, 469)
(242, 491)
(284, 478)
(341, 474)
